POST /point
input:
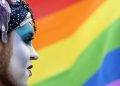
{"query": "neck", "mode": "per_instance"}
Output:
(5, 80)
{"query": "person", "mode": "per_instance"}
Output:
(16, 50)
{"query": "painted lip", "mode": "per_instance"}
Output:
(30, 73)
(28, 68)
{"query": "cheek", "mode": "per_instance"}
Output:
(19, 60)
(21, 53)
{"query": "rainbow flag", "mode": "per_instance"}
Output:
(78, 42)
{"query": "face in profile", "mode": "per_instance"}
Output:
(22, 54)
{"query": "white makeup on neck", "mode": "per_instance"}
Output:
(23, 53)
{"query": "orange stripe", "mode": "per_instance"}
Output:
(62, 24)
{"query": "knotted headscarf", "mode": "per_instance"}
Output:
(15, 16)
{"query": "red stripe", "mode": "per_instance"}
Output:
(42, 8)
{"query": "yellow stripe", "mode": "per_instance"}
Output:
(62, 55)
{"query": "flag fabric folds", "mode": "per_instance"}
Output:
(78, 42)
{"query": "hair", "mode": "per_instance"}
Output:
(5, 55)
(10, 1)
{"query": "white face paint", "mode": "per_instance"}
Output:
(22, 54)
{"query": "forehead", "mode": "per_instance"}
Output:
(26, 29)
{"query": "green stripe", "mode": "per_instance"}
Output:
(89, 62)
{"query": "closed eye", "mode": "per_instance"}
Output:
(28, 40)
(26, 33)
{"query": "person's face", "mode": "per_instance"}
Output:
(22, 54)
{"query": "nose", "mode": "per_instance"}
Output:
(34, 54)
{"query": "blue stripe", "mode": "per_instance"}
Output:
(109, 71)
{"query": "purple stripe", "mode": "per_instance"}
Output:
(115, 83)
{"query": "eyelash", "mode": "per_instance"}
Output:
(28, 40)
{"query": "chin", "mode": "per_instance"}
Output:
(20, 78)
(22, 83)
